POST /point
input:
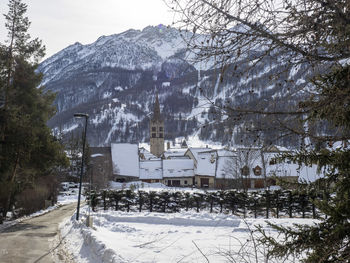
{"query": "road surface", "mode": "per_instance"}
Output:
(36, 239)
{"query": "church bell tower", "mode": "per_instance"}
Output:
(157, 131)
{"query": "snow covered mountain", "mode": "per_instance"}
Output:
(115, 79)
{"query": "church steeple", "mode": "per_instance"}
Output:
(156, 110)
(157, 130)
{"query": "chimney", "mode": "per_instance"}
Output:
(206, 146)
(168, 145)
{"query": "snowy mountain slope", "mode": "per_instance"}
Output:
(115, 79)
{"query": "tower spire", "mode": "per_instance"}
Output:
(156, 110)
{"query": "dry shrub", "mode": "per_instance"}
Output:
(33, 199)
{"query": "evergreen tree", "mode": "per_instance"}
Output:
(28, 148)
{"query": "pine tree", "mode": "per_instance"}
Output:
(28, 149)
(327, 241)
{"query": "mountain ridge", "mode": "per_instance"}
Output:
(115, 78)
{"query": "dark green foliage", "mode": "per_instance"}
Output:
(141, 199)
(94, 200)
(327, 241)
(28, 151)
(151, 198)
(187, 201)
(164, 198)
(198, 199)
(128, 199)
(211, 199)
(251, 204)
(231, 200)
(175, 200)
(116, 197)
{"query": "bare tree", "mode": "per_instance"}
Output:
(314, 35)
(296, 33)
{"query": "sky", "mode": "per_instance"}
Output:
(60, 23)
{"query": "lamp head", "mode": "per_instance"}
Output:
(81, 115)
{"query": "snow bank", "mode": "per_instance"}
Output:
(158, 237)
(175, 219)
(147, 187)
(83, 243)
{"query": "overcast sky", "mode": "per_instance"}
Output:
(59, 23)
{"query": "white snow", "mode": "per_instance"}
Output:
(162, 237)
(97, 155)
(70, 128)
(125, 159)
(178, 168)
(151, 169)
(165, 84)
(206, 164)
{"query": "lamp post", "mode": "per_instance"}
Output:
(86, 116)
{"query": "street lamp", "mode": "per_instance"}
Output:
(86, 116)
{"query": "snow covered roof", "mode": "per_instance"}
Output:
(125, 159)
(226, 167)
(304, 173)
(174, 152)
(96, 155)
(206, 164)
(275, 148)
(151, 169)
(146, 155)
(252, 158)
(178, 168)
(224, 152)
(338, 145)
(196, 151)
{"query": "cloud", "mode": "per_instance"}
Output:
(60, 23)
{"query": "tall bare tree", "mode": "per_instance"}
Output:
(315, 33)
(296, 33)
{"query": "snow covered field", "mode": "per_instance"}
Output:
(160, 237)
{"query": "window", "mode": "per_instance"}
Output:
(161, 129)
(272, 161)
(245, 170)
(154, 135)
(154, 129)
(185, 182)
(257, 170)
(160, 135)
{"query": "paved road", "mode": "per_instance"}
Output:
(33, 240)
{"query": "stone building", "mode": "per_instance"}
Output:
(157, 131)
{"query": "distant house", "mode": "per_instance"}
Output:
(205, 169)
(144, 154)
(178, 172)
(125, 161)
(226, 170)
(193, 153)
(151, 171)
(173, 153)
